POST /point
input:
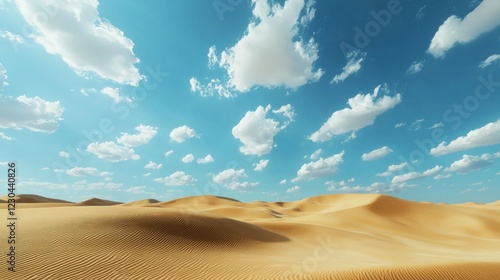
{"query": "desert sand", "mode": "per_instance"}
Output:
(351, 236)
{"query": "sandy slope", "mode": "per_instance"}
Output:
(326, 237)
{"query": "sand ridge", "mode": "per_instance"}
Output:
(351, 236)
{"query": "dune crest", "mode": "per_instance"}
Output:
(347, 236)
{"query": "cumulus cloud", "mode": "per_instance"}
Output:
(178, 178)
(470, 163)
(85, 41)
(207, 159)
(3, 77)
(320, 168)
(437, 125)
(231, 179)
(153, 165)
(354, 60)
(168, 153)
(14, 38)
(295, 189)
(63, 154)
(5, 137)
(375, 154)
(212, 57)
(363, 111)
(188, 158)
(181, 133)
(256, 132)
(272, 52)
(261, 165)
(483, 19)
(85, 171)
(442, 176)
(31, 113)
(316, 154)
(393, 168)
(415, 67)
(114, 93)
(487, 135)
(401, 179)
(112, 152)
(287, 112)
(146, 133)
(282, 182)
(490, 60)
(212, 87)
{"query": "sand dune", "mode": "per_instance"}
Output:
(32, 198)
(97, 202)
(349, 236)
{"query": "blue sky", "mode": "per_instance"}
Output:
(254, 100)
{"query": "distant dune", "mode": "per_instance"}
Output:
(32, 198)
(97, 202)
(348, 236)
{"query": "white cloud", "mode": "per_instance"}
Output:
(441, 176)
(316, 154)
(213, 87)
(3, 77)
(256, 133)
(168, 153)
(146, 133)
(288, 112)
(399, 125)
(295, 189)
(207, 159)
(112, 152)
(32, 113)
(114, 93)
(490, 60)
(261, 165)
(354, 60)
(86, 42)
(375, 154)
(63, 154)
(178, 178)
(421, 12)
(3, 163)
(5, 137)
(416, 125)
(401, 179)
(82, 171)
(483, 19)
(363, 112)
(487, 135)
(437, 125)
(470, 163)
(350, 137)
(153, 165)
(147, 174)
(397, 167)
(282, 182)
(415, 67)
(137, 190)
(188, 158)
(14, 38)
(212, 57)
(230, 178)
(272, 53)
(181, 133)
(320, 168)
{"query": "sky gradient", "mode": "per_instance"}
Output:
(254, 100)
